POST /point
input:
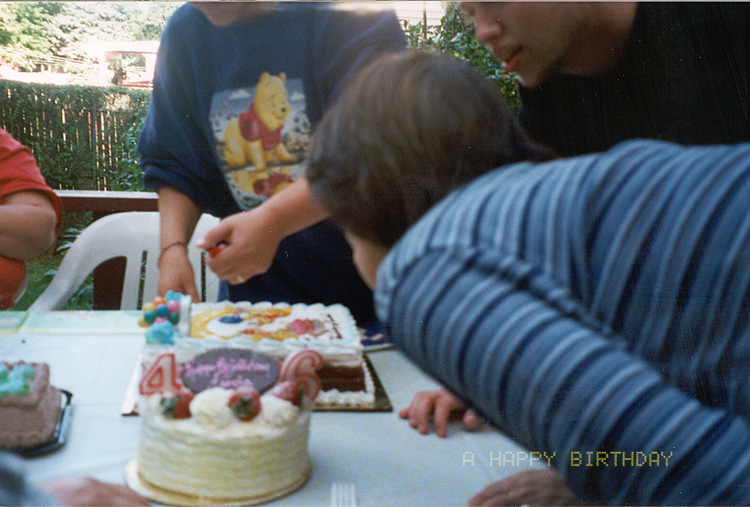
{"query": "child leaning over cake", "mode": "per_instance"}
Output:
(449, 125)
(436, 127)
(588, 306)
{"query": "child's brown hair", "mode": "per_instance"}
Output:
(410, 128)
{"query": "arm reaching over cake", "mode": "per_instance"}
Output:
(15, 489)
(253, 236)
(82, 491)
(441, 406)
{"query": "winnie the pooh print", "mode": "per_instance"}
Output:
(254, 137)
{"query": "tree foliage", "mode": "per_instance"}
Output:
(57, 29)
(455, 36)
(29, 25)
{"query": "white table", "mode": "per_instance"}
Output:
(390, 463)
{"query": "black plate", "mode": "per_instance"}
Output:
(58, 437)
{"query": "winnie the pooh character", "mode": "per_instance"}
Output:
(255, 135)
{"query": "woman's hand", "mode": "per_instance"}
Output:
(89, 491)
(176, 273)
(252, 237)
(249, 244)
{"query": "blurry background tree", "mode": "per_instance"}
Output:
(455, 36)
(34, 35)
(29, 26)
(50, 34)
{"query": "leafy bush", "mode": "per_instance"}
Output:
(78, 134)
(455, 37)
(127, 171)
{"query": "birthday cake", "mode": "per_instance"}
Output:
(29, 405)
(186, 329)
(228, 428)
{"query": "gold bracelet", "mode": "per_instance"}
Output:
(170, 245)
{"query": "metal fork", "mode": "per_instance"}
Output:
(343, 494)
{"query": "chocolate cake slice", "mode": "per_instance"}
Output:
(29, 405)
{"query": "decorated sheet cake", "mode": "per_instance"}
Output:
(185, 329)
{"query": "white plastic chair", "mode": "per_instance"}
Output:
(131, 235)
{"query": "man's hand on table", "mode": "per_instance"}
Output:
(440, 406)
(530, 487)
(79, 491)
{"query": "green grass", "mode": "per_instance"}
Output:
(39, 272)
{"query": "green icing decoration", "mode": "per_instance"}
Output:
(17, 380)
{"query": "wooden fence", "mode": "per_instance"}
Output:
(83, 137)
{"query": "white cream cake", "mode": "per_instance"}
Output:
(205, 443)
(216, 457)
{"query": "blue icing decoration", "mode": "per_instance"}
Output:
(172, 296)
(14, 386)
(23, 371)
(162, 333)
(230, 319)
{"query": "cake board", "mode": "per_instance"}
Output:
(166, 497)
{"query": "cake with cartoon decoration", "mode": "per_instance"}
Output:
(228, 428)
(186, 329)
(29, 405)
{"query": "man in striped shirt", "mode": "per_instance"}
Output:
(594, 308)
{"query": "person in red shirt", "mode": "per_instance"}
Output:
(30, 216)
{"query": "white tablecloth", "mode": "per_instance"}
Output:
(389, 463)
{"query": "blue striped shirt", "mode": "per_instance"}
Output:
(595, 308)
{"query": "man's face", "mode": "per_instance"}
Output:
(533, 40)
(367, 257)
(232, 13)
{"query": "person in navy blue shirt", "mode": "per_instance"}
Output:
(592, 308)
(238, 88)
(593, 74)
